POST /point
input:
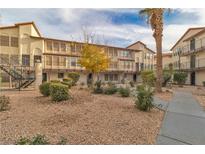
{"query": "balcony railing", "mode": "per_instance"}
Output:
(198, 46)
(199, 64)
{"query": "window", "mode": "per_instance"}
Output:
(37, 59)
(72, 48)
(192, 44)
(63, 47)
(60, 75)
(125, 54)
(106, 77)
(113, 65)
(49, 46)
(78, 47)
(74, 61)
(55, 60)
(48, 60)
(62, 61)
(4, 40)
(56, 46)
(128, 65)
(26, 60)
(111, 77)
(14, 41)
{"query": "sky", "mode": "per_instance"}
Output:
(117, 27)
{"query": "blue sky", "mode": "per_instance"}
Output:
(118, 27)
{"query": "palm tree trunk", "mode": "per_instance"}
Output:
(158, 40)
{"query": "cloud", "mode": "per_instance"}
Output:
(68, 24)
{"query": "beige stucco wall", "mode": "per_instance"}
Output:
(200, 77)
(140, 55)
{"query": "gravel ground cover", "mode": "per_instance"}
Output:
(86, 119)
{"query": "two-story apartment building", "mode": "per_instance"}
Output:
(188, 54)
(166, 60)
(144, 57)
(23, 45)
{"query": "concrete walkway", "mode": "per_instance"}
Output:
(184, 121)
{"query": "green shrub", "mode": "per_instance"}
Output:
(36, 140)
(132, 84)
(62, 141)
(59, 92)
(144, 98)
(203, 83)
(148, 78)
(166, 77)
(39, 140)
(98, 87)
(55, 81)
(23, 141)
(68, 82)
(4, 103)
(111, 89)
(74, 76)
(45, 88)
(180, 77)
(124, 92)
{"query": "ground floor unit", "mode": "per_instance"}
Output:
(51, 74)
(196, 77)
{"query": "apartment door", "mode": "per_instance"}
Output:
(44, 77)
(193, 61)
(134, 77)
(192, 78)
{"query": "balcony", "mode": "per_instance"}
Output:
(197, 46)
(198, 65)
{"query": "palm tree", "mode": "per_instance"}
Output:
(155, 19)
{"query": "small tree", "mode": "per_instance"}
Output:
(148, 77)
(180, 77)
(94, 59)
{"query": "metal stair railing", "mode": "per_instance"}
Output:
(23, 75)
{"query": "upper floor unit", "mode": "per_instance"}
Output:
(144, 58)
(192, 41)
(189, 52)
(22, 44)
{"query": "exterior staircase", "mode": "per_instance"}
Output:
(22, 76)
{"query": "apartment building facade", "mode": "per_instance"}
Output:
(144, 58)
(23, 45)
(188, 54)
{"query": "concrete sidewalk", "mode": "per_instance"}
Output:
(184, 121)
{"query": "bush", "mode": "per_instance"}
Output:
(4, 103)
(68, 82)
(124, 92)
(144, 98)
(62, 141)
(55, 81)
(39, 140)
(166, 77)
(45, 88)
(180, 77)
(23, 141)
(36, 140)
(111, 89)
(203, 83)
(74, 76)
(148, 78)
(59, 92)
(98, 87)
(132, 84)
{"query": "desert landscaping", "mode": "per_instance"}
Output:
(85, 119)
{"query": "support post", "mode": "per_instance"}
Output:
(38, 74)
